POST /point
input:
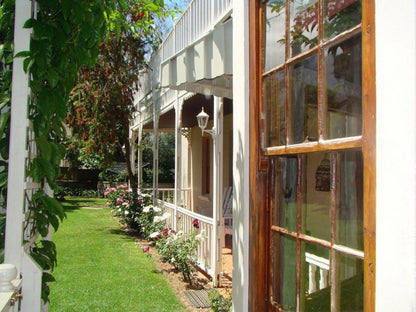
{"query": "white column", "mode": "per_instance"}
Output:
(241, 152)
(139, 157)
(396, 155)
(155, 154)
(217, 188)
(178, 157)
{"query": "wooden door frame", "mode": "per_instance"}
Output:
(259, 277)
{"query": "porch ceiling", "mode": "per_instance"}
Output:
(191, 107)
(166, 121)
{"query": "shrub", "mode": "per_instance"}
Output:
(127, 206)
(61, 192)
(147, 223)
(179, 249)
(218, 302)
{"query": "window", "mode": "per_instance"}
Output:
(311, 121)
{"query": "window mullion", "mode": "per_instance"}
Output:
(299, 196)
(288, 109)
(335, 291)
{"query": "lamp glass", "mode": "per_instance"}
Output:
(202, 118)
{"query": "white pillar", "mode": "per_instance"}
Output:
(241, 152)
(155, 150)
(178, 157)
(218, 134)
(139, 157)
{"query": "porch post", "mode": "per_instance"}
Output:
(139, 156)
(178, 157)
(155, 153)
(217, 189)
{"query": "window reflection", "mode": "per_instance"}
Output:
(315, 283)
(303, 25)
(340, 15)
(344, 80)
(284, 272)
(349, 215)
(350, 283)
(316, 202)
(274, 109)
(285, 193)
(274, 34)
(304, 99)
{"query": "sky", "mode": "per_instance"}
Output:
(181, 5)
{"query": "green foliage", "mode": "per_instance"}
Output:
(108, 175)
(180, 250)
(218, 302)
(166, 157)
(61, 192)
(102, 102)
(6, 62)
(127, 205)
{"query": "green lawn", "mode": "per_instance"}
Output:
(100, 268)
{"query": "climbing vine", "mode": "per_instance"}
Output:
(6, 61)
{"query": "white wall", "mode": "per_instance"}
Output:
(396, 155)
(240, 154)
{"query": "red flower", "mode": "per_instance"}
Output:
(195, 223)
(146, 249)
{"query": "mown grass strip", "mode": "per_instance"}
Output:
(100, 268)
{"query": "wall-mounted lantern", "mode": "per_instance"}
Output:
(203, 118)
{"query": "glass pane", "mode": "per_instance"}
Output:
(304, 99)
(349, 215)
(274, 108)
(340, 15)
(316, 191)
(315, 283)
(344, 78)
(285, 210)
(350, 283)
(274, 34)
(284, 272)
(303, 25)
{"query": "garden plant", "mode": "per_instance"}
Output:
(137, 213)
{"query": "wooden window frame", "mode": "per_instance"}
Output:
(260, 190)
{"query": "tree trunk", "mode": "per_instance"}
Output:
(130, 170)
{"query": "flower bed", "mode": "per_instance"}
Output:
(137, 213)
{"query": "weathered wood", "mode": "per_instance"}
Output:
(369, 153)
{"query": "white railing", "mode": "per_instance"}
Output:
(182, 219)
(167, 195)
(198, 18)
(318, 272)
